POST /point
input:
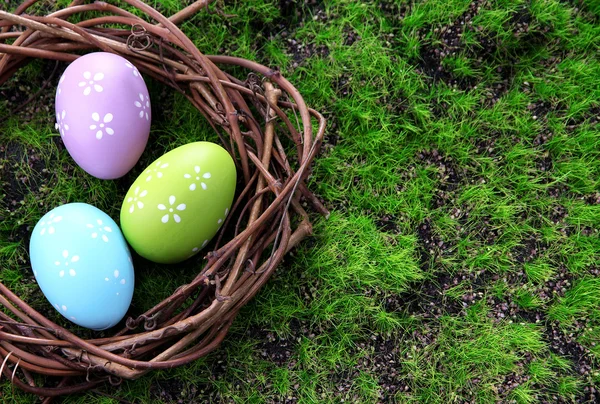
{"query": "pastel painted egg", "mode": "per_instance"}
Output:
(81, 262)
(177, 205)
(103, 114)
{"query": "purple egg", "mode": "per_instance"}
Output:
(103, 114)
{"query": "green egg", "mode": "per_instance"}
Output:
(177, 205)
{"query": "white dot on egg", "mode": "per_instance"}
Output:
(64, 307)
(122, 281)
(72, 318)
(57, 306)
(72, 272)
(116, 273)
(106, 279)
(117, 293)
(61, 273)
(57, 263)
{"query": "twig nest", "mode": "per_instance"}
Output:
(265, 127)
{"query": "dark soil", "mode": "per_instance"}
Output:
(274, 348)
(175, 391)
(383, 359)
(529, 249)
(388, 224)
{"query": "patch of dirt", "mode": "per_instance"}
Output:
(448, 174)
(591, 394)
(515, 379)
(566, 345)
(487, 146)
(342, 85)
(274, 348)
(395, 10)
(19, 89)
(448, 44)
(22, 172)
(388, 223)
(542, 138)
(351, 36)
(429, 243)
(593, 199)
(382, 360)
(441, 44)
(589, 10)
(485, 231)
(300, 51)
(175, 391)
(429, 299)
(293, 15)
(558, 213)
(530, 248)
(332, 136)
(558, 190)
(590, 117)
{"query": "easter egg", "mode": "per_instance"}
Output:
(103, 114)
(176, 206)
(81, 262)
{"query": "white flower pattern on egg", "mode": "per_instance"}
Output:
(91, 82)
(60, 125)
(221, 220)
(67, 263)
(134, 199)
(136, 72)
(196, 249)
(101, 126)
(50, 224)
(171, 210)
(143, 105)
(116, 275)
(100, 230)
(156, 170)
(62, 78)
(197, 177)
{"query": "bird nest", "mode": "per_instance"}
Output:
(255, 116)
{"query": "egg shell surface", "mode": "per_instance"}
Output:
(103, 114)
(177, 205)
(81, 262)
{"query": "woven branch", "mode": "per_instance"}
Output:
(251, 117)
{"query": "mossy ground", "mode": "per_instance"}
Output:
(461, 166)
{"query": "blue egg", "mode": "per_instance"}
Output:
(82, 263)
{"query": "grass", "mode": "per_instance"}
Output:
(462, 171)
